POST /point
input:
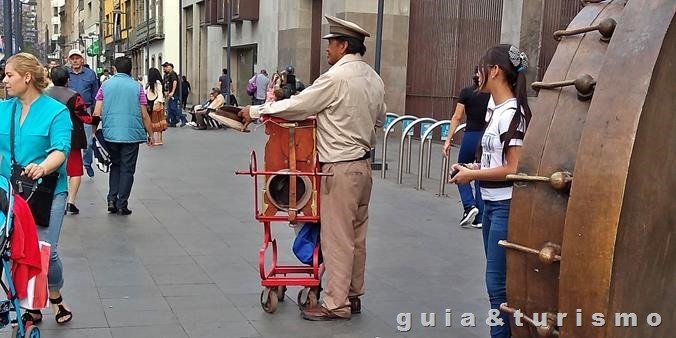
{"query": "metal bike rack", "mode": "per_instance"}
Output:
(387, 133)
(405, 136)
(424, 141)
(444, 165)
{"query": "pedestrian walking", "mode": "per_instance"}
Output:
(84, 81)
(121, 103)
(155, 97)
(474, 104)
(41, 142)
(502, 73)
(185, 91)
(172, 96)
(78, 117)
(348, 101)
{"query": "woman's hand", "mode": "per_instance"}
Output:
(447, 147)
(464, 175)
(34, 171)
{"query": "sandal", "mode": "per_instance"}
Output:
(62, 311)
(30, 316)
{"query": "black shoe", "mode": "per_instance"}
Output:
(72, 209)
(469, 216)
(200, 128)
(124, 211)
(355, 305)
(111, 207)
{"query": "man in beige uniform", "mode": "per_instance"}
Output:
(348, 101)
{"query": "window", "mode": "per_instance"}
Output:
(159, 59)
(153, 61)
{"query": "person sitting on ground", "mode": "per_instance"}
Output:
(217, 101)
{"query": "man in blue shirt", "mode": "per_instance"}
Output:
(84, 81)
(121, 103)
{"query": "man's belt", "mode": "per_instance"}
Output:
(363, 157)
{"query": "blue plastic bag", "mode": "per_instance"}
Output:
(305, 243)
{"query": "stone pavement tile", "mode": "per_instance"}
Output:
(109, 292)
(154, 331)
(294, 327)
(221, 330)
(208, 315)
(139, 303)
(177, 290)
(79, 333)
(204, 308)
(121, 275)
(148, 260)
(178, 274)
(122, 318)
(76, 272)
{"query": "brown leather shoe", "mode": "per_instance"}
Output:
(319, 313)
(355, 305)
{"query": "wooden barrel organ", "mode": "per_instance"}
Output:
(291, 147)
(592, 220)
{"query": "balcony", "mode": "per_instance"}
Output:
(245, 10)
(148, 31)
(242, 10)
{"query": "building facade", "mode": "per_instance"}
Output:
(271, 35)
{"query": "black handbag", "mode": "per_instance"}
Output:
(38, 193)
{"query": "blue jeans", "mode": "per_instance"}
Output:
(123, 158)
(495, 220)
(174, 113)
(467, 154)
(51, 235)
(88, 153)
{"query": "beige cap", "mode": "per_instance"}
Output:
(339, 27)
(75, 52)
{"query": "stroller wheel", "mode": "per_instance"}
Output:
(269, 300)
(31, 331)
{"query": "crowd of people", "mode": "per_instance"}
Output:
(496, 109)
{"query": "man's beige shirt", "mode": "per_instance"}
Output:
(348, 101)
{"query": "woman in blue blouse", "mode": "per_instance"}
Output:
(42, 130)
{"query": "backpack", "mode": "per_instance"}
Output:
(101, 153)
(305, 243)
(251, 87)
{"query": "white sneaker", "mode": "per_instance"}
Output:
(477, 225)
(469, 216)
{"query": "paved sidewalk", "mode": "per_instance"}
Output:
(184, 264)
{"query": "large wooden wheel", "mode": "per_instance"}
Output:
(603, 238)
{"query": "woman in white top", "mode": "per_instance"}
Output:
(155, 98)
(502, 74)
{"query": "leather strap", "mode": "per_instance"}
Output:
(11, 134)
(292, 179)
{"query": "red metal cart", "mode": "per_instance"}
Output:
(275, 277)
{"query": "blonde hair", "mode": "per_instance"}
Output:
(25, 63)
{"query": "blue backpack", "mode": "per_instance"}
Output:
(305, 243)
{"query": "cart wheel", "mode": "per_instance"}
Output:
(307, 297)
(33, 332)
(269, 300)
(281, 290)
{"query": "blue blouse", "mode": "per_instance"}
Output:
(47, 127)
